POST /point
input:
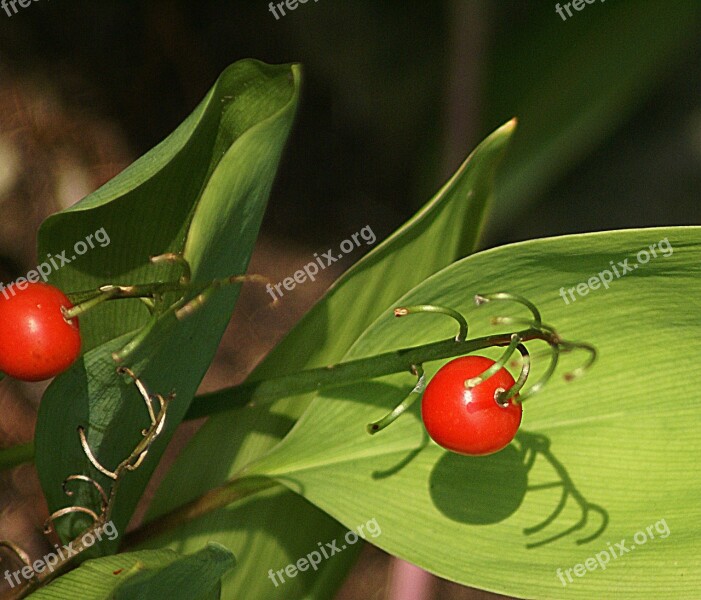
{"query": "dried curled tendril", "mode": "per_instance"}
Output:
(101, 516)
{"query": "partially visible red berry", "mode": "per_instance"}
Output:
(36, 341)
(469, 421)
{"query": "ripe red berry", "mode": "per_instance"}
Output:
(36, 342)
(469, 421)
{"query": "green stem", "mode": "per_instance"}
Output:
(579, 371)
(441, 310)
(536, 387)
(501, 296)
(16, 455)
(262, 392)
(119, 292)
(214, 499)
(153, 291)
(498, 365)
(398, 410)
(504, 397)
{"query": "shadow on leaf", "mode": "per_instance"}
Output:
(534, 445)
(483, 490)
(479, 490)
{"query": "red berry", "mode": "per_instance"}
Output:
(36, 342)
(469, 421)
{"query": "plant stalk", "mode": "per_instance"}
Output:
(16, 455)
(214, 499)
(262, 392)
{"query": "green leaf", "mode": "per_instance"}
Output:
(203, 192)
(447, 228)
(271, 530)
(623, 440)
(145, 574)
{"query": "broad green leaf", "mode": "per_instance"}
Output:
(447, 228)
(203, 192)
(575, 82)
(623, 439)
(145, 574)
(272, 530)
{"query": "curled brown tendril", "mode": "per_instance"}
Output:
(100, 517)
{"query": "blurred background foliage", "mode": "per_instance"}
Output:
(395, 95)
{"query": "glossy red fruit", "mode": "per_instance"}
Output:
(36, 342)
(469, 421)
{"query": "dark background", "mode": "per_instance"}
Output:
(395, 95)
